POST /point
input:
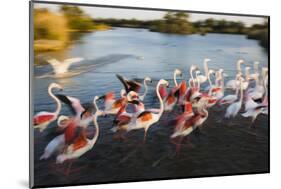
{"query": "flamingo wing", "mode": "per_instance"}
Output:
(228, 99)
(128, 84)
(43, 117)
(70, 132)
(163, 91)
(233, 109)
(72, 60)
(55, 145)
(80, 141)
(74, 104)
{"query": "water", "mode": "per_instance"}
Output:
(136, 53)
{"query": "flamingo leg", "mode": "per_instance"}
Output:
(67, 171)
(178, 146)
(190, 145)
(144, 136)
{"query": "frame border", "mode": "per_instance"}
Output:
(31, 63)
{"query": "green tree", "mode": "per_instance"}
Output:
(77, 19)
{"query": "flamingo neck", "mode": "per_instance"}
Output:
(191, 74)
(247, 73)
(257, 81)
(198, 82)
(209, 79)
(241, 91)
(222, 81)
(175, 80)
(94, 139)
(239, 67)
(206, 68)
(145, 89)
(56, 99)
(160, 100)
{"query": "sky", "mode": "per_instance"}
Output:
(99, 12)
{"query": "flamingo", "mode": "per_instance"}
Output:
(61, 67)
(177, 72)
(229, 99)
(75, 106)
(146, 79)
(81, 144)
(217, 92)
(60, 142)
(195, 90)
(209, 79)
(123, 118)
(254, 109)
(191, 69)
(204, 78)
(187, 113)
(173, 97)
(163, 91)
(129, 85)
(234, 108)
(253, 75)
(171, 100)
(148, 118)
(259, 89)
(231, 84)
(42, 119)
(112, 105)
(184, 129)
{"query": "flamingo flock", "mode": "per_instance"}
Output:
(248, 97)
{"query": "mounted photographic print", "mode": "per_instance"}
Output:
(123, 94)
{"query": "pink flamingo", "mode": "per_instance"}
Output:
(42, 119)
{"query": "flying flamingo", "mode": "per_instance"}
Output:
(42, 119)
(148, 118)
(62, 67)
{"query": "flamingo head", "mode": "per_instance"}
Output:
(256, 63)
(62, 121)
(211, 72)
(193, 67)
(178, 72)
(164, 82)
(55, 85)
(206, 60)
(96, 98)
(240, 61)
(148, 79)
(132, 95)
